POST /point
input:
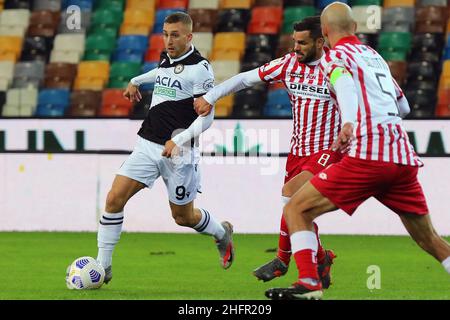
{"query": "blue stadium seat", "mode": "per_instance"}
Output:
(128, 56)
(278, 104)
(85, 5)
(146, 67)
(52, 102)
(133, 42)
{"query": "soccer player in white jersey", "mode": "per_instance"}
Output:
(167, 144)
(381, 162)
(316, 123)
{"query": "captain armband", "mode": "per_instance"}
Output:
(337, 73)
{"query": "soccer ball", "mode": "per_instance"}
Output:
(85, 273)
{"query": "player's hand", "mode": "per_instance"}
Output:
(344, 139)
(132, 93)
(170, 149)
(202, 107)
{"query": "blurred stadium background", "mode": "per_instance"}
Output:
(48, 69)
(65, 129)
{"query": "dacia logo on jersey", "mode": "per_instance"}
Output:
(168, 82)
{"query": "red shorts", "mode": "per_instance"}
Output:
(313, 163)
(352, 181)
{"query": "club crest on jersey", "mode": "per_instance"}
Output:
(168, 82)
(178, 68)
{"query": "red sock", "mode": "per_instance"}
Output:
(306, 264)
(320, 250)
(284, 243)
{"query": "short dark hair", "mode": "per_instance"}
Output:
(311, 24)
(179, 17)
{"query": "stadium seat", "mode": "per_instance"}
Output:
(204, 4)
(424, 3)
(265, 19)
(203, 42)
(421, 102)
(285, 45)
(111, 4)
(420, 71)
(278, 104)
(66, 27)
(323, 3)
(114, 104)
(59, 75)
(398, 71)
(103, 18)
(431, 19)
(70, 43)
(20, 102)
(236, 4)
(298, 3)
(228, 44)
(156, 46)
(36, 48)
(14, 22)
(43, 23)
(99, 47)
(225, 69)
(370, 40)
(268, 3)
(84, 5)
(295, 14)
(397, 19)
(258, 57)
(6, 74)
(224, 106)
(232, 20)
(84, 103)
(362, 16)
(140, 109)
(250, 100)
(92, 75)
(10, 48)
(173, 4)
(121, 73)
(261, 43)
(204, 20)
(51, 5)
(137, 22)
(141, 4)
(28, 74)
(398, 3)
(52, 103)
(17, 4)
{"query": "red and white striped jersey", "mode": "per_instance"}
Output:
(316, 117)
(379, 131)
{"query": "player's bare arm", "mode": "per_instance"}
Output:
(202, 107)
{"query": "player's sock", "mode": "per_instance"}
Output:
(304, 247)
(108, 235)
(320, 250)
(284, 242)
(446, 264)
(208, 225)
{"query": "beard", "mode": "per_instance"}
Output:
(308, 57)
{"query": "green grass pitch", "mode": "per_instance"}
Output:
(185, 266)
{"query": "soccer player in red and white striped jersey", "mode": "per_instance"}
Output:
(381, 162)
(316, 123)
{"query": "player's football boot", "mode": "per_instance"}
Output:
(225, 246)
(271, 270)
(324, 269)
(108, 274)
(298, 291)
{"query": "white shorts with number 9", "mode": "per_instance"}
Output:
(181, 174)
